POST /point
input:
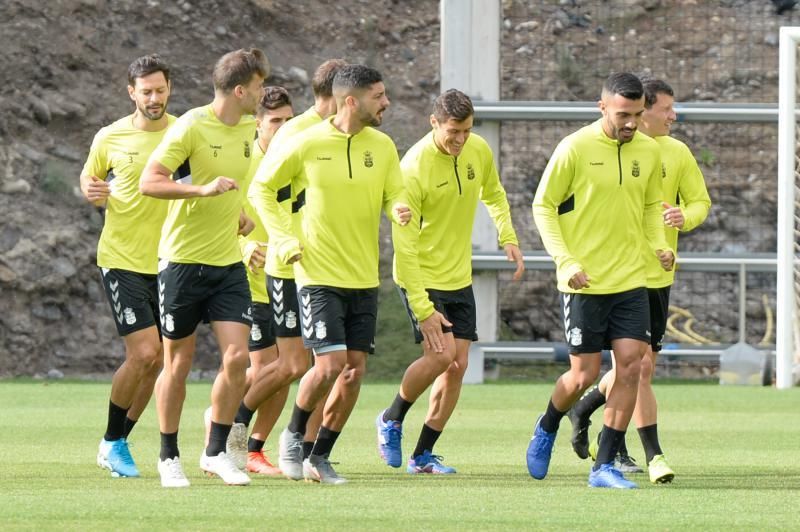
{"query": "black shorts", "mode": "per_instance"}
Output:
(285, 308)
(133, 298)
(338, 316)
(262, 333)
(659, 312)
(592, 321)
(458, 306)
(190, 293)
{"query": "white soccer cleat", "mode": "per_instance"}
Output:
(319, 469)
(223, 467)
(171, 472)
(236, 446)
(290, 454)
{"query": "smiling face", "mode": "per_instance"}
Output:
(621, 116)
(450, 136)
(658, 119)
(150, 93)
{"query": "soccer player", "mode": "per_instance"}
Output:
(597, 208)
(346, 172)
(273, 111)
(445, 174)
(686, 203)
(201, 274)
(273, 379)
(127, 250)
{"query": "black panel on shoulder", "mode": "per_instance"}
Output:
(300, 201)
(567, 206)
(182, 171)
(285, 193)
(677, 199)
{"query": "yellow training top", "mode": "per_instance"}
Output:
(258, 236)
(198, 149)
(129, 240)
(435, 249)
(344, 181)
(598, 206)
(683, 186)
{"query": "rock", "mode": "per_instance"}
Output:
(220, 31)
(55, 374)
(41, 111)
(771, 39)
(64, 267)
(66, 152)
(527, 26)
(299, 75)
(46, 312)
(18, 186)
(7, 275)
(31, 154)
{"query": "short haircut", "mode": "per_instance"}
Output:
(322, 82)
(625, 84)
(146, 65)
(352, 78)
(454, 104)
(654, 87)
(274, 98)
(238, 68)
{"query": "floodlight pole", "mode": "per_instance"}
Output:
(785, 308)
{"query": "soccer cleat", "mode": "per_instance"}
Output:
(207, 424)
(319, 469)
(236, 445)
(608, 477)
(540, 449)
(580, 434)
(660, 472)
(222, 466)
(594, 447)
(258, 462)
(290, 454)
(171, 473)
(390, 434)
(626, 464)
(428, 463)
(116, 457)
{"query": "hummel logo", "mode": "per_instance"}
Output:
(278, 284)
(324, 158)
(278, 308)
(113, 285)
(596, 164)
(306, 299)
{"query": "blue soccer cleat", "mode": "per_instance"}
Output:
(608, 477)
(390, 434)
(116, 457)
(430, 464)
(540, 449)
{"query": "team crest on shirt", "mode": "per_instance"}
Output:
(320, 329)
(575, 337)
(470, 172)
(635, 168)
(663, 171)
(291, 319)
(255, 333)
(246, 149)
(368, 159)
(169, 322)
(130, 315)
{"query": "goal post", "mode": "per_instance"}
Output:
(788, 282)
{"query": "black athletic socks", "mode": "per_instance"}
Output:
(551, 418)
(649, 437)
(610, 441)
(307, 446)
(398, 410)
(169, 446)
(326, 438)
(254, 445)
(217, 439)
(299, 419)
(129, 424)
(591, 401)
(244, 415)
(427, 439)
(115, 429)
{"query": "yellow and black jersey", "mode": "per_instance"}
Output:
(198, 149)
(132, 227)
(598, 207)
(258, 236)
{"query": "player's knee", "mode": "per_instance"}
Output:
(646, 369)
(442, 360)
(146, 357)
(295, 369)
(236, 361)
(629, 369)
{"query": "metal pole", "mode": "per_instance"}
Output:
(742, 303)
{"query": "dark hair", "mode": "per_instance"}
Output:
(355, 77)
(146, 65)
(625, 84)
(654, 87)
(322, 82)
(274, 98)
(238, 68)
(454, 104)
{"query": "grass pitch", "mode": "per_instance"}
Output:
(734, 451)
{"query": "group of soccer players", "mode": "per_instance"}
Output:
(265, 226)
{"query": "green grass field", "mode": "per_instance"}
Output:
(734, 451)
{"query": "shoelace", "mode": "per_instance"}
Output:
(227, 464)
(395, 434)
(123, 452)
(294, 450)
(174, 469)
(437, 459)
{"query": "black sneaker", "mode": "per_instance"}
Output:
(626, 464)
(580, 434)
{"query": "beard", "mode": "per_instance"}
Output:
(154, 113)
